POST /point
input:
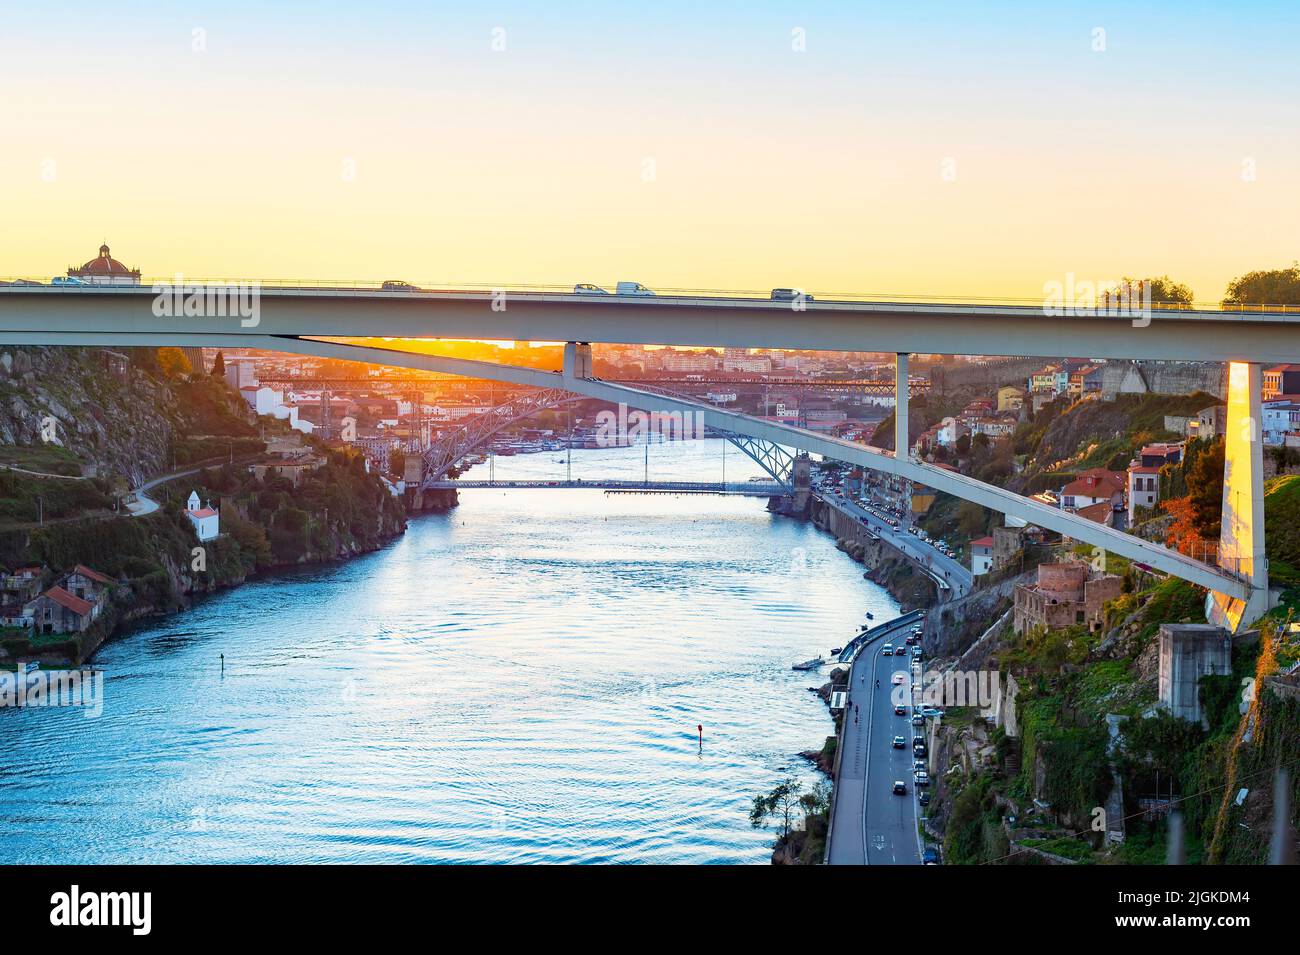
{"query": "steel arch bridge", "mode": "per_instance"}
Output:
(452, 446)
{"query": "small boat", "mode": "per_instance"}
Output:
(812, 664)
(837, 650)
(870, 615)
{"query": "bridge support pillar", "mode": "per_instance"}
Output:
(1241, 538)
(577, 360)
(902, 446)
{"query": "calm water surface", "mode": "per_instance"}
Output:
(517, 681)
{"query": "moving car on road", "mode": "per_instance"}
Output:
(899, 742)
(586, 288)
(900, 788)
(632, 288)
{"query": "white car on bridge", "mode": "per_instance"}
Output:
(632, 288)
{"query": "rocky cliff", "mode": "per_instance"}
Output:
(96, 403)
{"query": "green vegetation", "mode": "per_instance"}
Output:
(782, 806)
(1282, 528)
(1267, 287)
(1066, 848)
(25, 499)
(46, 458)
(974, 832)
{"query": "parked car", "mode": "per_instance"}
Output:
(922, 778)
(588, 289)
(632, 288)
(931, 711)
(924, 799)
(918, 719)
(931, 855)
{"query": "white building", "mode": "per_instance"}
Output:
(1143, 488)
(206, 521)
(1280, 418)
(948, 431)
(981, 556)
(269, 401)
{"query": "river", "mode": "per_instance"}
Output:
(519, 680)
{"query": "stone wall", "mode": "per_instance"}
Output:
(1163, 378)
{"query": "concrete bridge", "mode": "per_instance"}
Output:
(297, 319)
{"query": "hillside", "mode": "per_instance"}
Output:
(64, 507)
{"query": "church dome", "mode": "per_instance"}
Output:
(105, 264)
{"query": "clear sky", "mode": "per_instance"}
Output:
(907, 148)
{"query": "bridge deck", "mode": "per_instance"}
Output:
(748, 488)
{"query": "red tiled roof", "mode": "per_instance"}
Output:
(982, 542)
(92, 574)
(1143, 469)
(78, 606)
(1094, 486)
(1099, 512)
(202, 512)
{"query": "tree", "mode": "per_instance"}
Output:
(219, 366)
(1198, 515)
(970, 518)
(778, 804)
(1205, 490)
(173, 362)
(1162, 289)
(1271, 287)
